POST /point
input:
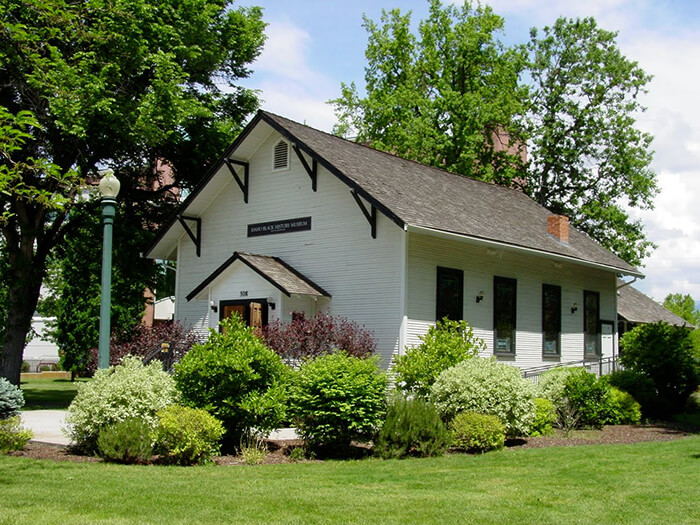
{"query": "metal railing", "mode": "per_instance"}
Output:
(599, 366)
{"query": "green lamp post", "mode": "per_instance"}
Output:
(109, 188)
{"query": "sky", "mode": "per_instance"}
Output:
(314, 45)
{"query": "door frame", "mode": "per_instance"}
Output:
(246, 303)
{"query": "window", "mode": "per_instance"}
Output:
(280, 157)
(450, 294)
(591, 323)
(551, 320)
(504, 308)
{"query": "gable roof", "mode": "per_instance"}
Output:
(273, 269)
(413, 194)
(634, 306)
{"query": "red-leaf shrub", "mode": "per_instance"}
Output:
(145, 341)
(316, 336)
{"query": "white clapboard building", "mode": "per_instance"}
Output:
(295, 219)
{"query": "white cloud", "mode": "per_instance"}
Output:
(289, 85)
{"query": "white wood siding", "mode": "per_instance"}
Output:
(339, 254)
(480, 265)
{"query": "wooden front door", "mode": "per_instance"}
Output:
(253, 312)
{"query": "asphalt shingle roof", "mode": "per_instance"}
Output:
(636, 307)
(429, 197)
(273, 269)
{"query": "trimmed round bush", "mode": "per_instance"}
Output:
(337, 398)
(11, 399)
(623, 410)
(589, 397)
(412, 428)
(128, 442)
(443, 346)
(13, 436)
(129, 390)
(665, 354)
(187, 436)
(476, 432)
(545, 417)
(487, 387)
(237, 379)
(638, 385)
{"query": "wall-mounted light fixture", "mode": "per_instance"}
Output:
(480, 296)
(574, 308)
(213, 306)
(271, 303)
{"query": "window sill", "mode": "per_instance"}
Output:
(592, 356)
(504, 354)
(551, 357)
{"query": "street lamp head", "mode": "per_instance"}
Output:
(109, 185)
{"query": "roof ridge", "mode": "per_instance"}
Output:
(394, 155)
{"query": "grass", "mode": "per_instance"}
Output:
(622, 484)
(49, 394)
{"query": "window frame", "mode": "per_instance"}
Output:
(452, 273)
(513, 313)
(598, 349)
(557, 289)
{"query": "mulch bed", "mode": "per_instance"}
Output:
(279, 450)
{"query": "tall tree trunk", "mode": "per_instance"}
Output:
(22, 303)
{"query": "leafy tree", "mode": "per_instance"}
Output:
(133, 84)
(453, 96)
(448, 96)
(587, 157)
(683, 306)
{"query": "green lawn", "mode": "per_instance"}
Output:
(652, 483)
(49, 394)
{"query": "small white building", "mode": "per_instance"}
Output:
(294, 219)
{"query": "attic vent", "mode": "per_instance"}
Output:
(280, 160)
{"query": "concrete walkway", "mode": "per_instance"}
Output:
(47, 424)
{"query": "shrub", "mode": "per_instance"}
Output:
(26, 367)
(320, 335)
(235, 378)
(412, 428)
(128, 390)
(129, 441)
(639, 386)
(144, 340)
(476, 432)
(545, 417)
(665, 354)
(623, 409)
(443, 346)
(590, 397)
(12, 435)
(551, 384)
(11, 399)
(488, 387)
(337, 398)
(187, 436)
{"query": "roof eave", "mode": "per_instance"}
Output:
(521, 249)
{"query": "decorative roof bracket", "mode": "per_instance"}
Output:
(241, 184)
(312, 171)
(371, 216)
(196, 239)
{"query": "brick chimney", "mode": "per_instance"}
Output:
(558, 225)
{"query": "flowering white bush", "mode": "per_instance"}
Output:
(487, 387)
(128, 390)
